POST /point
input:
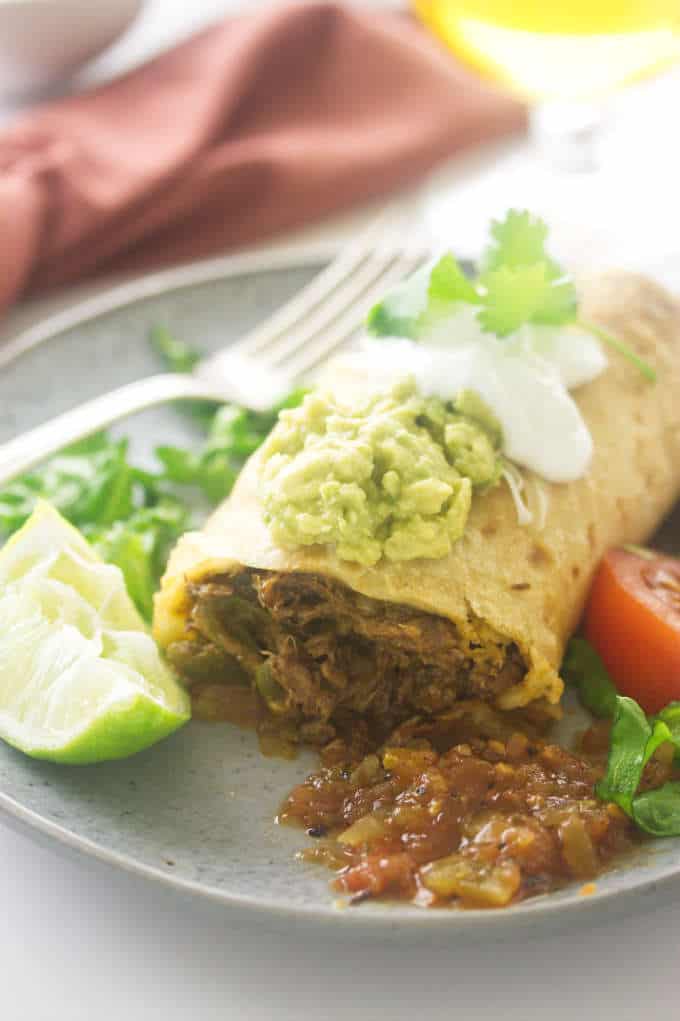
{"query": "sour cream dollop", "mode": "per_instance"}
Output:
(525, 379)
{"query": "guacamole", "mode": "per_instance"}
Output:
(390, 477)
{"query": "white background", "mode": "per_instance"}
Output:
(81, 941)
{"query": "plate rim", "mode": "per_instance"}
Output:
(384, 915)
(152, 285)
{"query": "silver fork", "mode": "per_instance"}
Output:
(257, 370)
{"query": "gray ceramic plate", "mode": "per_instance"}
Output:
(197, 812)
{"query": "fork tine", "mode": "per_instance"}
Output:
(317, 292)
(367, 277)
(324, 341)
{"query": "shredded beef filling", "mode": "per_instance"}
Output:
(319, 653)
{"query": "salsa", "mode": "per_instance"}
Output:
(472, 809)
(469, 806)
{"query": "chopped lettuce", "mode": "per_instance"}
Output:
(630, 737)
(635, 738)
(658, 812)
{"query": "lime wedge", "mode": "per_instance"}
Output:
(81, 680)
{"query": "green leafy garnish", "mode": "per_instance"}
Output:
(416, 304)
(514, 297)
(401, 312)
(133, 516)
(90, 482)
(523, 283)
(125, 511)
(518, 283)
(178, 356)
(234, 435)
(634, 739)
(517, 241)
(583, 668)
(631, 735)
(623, 349)
(448, 283)
(140, 546)
(670, 717)
(658, 812)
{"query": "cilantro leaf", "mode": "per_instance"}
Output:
(118, 506)
(533, 287)
(178, 356)
(518, 240)
(429, 294)
(399, 313)
(91, 481)
(140, 546)
(132, 516)
(449, 284)
(559, 304)
(211, 472)
(234, 435)
(518, 283)
(513, 297)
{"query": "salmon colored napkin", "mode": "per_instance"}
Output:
(258, 124)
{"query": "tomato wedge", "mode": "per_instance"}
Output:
(633, 619)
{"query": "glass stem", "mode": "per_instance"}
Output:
(569, 133)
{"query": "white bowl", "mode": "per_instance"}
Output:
(44, 41)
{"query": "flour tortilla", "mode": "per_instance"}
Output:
(526, 582)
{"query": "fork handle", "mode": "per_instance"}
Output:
(28, 449)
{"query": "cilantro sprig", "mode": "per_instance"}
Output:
(130, 515)
(518, 283)
(134, 516)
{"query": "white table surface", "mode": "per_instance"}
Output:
(81, 941)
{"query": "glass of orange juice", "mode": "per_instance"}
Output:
(566, 55)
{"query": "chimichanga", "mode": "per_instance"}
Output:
(326, 639)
